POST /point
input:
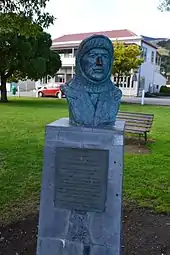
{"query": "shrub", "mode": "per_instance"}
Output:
(165, 90)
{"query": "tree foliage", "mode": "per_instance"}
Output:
(32, 9)
(165, 57)
(126, 58)
(18, 24)
(19, 15)
(164, 5)
(25, 57)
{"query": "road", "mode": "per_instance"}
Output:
(137, 100)
(147, 100)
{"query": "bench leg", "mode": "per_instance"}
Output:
(145, 136)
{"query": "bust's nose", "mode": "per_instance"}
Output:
(99, 61)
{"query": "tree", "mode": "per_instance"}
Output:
(126, 58)
(164, 5)
(164, 50)
(14, 12)
(25, 57)
(18, 24)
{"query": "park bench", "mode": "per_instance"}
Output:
(137, 123)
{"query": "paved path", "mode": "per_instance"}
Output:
(25, 94)
(137, 100)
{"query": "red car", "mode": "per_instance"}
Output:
(51, 91)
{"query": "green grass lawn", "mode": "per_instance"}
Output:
(22, 123)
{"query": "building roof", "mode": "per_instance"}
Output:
(150, 44)
(73, 40)
(65, 45)
(74, 45)
(152, 39)
(82, 36)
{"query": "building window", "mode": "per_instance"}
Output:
(48, 79)
(75, 52)
(115, 78)
(144, 53)
(59, 78)
(68, 55)
(128, 82)
(152, 57)
(157, 59)
(62, 55)
(142, 83)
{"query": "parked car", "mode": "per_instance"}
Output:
(51, 91)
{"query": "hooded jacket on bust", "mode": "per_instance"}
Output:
(93, 103)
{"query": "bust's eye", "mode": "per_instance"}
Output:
(92, 55)
(105, 56)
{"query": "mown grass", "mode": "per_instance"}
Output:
(22, 123)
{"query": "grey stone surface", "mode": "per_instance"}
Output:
(73, 232)
(93, 99)
(79, 228)
(59, 247)
(102, 250)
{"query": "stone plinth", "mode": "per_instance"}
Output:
(81, 197)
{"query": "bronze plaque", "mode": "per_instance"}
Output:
(81, 179)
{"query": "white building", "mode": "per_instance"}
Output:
(148, 77)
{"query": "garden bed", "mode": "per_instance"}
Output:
(145, 233)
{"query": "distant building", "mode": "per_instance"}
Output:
(148, 77)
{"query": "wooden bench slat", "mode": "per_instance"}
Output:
(136, 127)
(135, 131)
(132, 120)
(133, 116)
(138, 123)
(136, 113)
(135, 119)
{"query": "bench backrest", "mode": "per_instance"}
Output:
(138, 120)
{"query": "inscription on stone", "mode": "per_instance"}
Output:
(81, 179)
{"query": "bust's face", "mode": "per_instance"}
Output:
(95, 64)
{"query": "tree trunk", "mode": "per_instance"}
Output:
(3, 89)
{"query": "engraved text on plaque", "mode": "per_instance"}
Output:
(81, 179)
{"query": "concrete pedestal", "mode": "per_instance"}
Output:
(95, 231)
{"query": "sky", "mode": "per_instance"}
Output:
(77, 16)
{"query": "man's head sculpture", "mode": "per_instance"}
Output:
(92, 97)
(95, 58)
